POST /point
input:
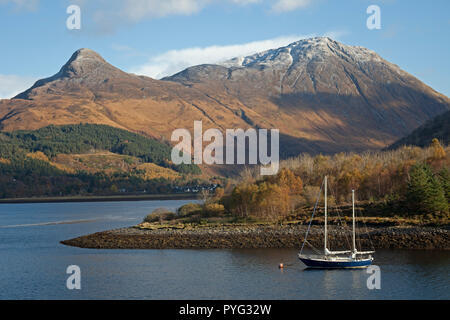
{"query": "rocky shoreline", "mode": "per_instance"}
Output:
(262, 236)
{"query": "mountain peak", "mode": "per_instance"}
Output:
(313, 40)
(83, 61)
(86, 52)
(84, 66)
(85, 55)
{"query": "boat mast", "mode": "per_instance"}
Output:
(325, 244)
(353, 205)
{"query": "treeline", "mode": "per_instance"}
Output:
(28, 177)
(81, 138)
(82, 184)
(409, 181)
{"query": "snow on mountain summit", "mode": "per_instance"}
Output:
(304, 50)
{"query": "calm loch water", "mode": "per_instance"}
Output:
(33, 263)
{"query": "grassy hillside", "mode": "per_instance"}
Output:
(84, 138)
(106, 162)
(87, 159)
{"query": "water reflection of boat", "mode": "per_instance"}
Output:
(336, 259)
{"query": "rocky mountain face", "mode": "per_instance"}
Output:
(324, 96)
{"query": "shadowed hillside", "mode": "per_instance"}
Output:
(438, 128)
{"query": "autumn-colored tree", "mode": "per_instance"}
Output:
(264, 200)
(273, 201)
(242, 200)
(218, 193)
(114, 188)
(438, 152)
(287, 180)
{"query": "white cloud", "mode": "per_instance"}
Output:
(244, 2)
(135, 10)
(11, 85)
(289, 5)
(109, 14)
(22, 4)
(173, 61)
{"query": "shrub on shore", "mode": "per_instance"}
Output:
(213, 210)
(189, 210)
(160, 215)
(190, 213)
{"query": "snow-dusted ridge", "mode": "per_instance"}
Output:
(304, 50)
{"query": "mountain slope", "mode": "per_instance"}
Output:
(323, 96)
(87, 89)
(438, 127)
(322, 90)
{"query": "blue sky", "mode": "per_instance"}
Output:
(160, 37)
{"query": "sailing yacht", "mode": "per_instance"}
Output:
(337, 259)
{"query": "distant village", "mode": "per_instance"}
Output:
(196, 188)
(182, 189)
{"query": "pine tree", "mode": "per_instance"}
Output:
(425, 194)
(437, 203)
(444, 177)
(418, 189)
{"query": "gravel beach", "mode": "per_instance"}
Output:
(262, 236)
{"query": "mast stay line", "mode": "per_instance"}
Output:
(310, 221)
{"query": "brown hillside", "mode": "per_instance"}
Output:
(323, 96)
